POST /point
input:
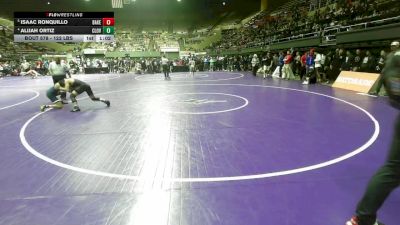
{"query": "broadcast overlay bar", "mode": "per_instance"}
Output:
(64, 26)
(64, 38)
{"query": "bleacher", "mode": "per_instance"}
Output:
(294, 20)
(166, 40)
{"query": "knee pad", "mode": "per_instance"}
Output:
(58, 105)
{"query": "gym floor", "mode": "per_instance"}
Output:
(215, 149)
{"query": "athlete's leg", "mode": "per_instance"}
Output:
(75, 107)
(89, 91)
(52, 95)
(57, 79)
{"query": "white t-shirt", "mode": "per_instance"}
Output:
(192, 63)
(323, 59)
(57, 70)
(254, 61)
(25, 65)
(164, 61)
(317, 61)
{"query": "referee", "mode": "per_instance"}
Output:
(165, 66)
(387, 178)
(58, 71)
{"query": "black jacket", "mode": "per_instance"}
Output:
(391, 75)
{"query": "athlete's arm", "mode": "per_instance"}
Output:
(67, 86)
(68, 83)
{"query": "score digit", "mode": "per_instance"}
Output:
(108, 21)
(108, 30)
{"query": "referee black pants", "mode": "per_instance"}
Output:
(165, 70)
(255, 69)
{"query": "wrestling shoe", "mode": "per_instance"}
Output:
(355, 221)
(43, 107)
(107, 103)
(75, 109)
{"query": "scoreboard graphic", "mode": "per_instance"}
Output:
(64, 26)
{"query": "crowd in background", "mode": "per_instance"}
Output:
(258, 31)
(297, 21)
(332, 62)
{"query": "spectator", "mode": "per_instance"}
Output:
(381, 62)
(255, 63)
(303, 61)
(275, 62)
(288, 73)
(297, 63)
(394, 46)
(348, 62)
(267, 65)
(368, 63)
(319, 60)
(357, 61)
(281, 63)
(310, 68)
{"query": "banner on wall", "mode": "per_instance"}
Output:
(356, 81)
(90, 51)
(169, 49)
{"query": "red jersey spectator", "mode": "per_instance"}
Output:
(288, 59)
(303, 61)
(288, 73)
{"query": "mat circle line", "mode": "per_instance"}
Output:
(213, 179)
(22, 102)
(183, 81)
(45, 85)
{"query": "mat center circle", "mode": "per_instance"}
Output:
(201, 103)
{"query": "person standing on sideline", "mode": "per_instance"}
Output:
(287, 70)
(267, 65)
(254, 63)
(311, 77)
(388, 176)
(319, 66)
(394, 46)
(192, 65)
(165, 66)
(297, 64)
(212, 64)
(281, 63)
(380, 62)
(58, 71)
(275, 62)
(303, 61)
